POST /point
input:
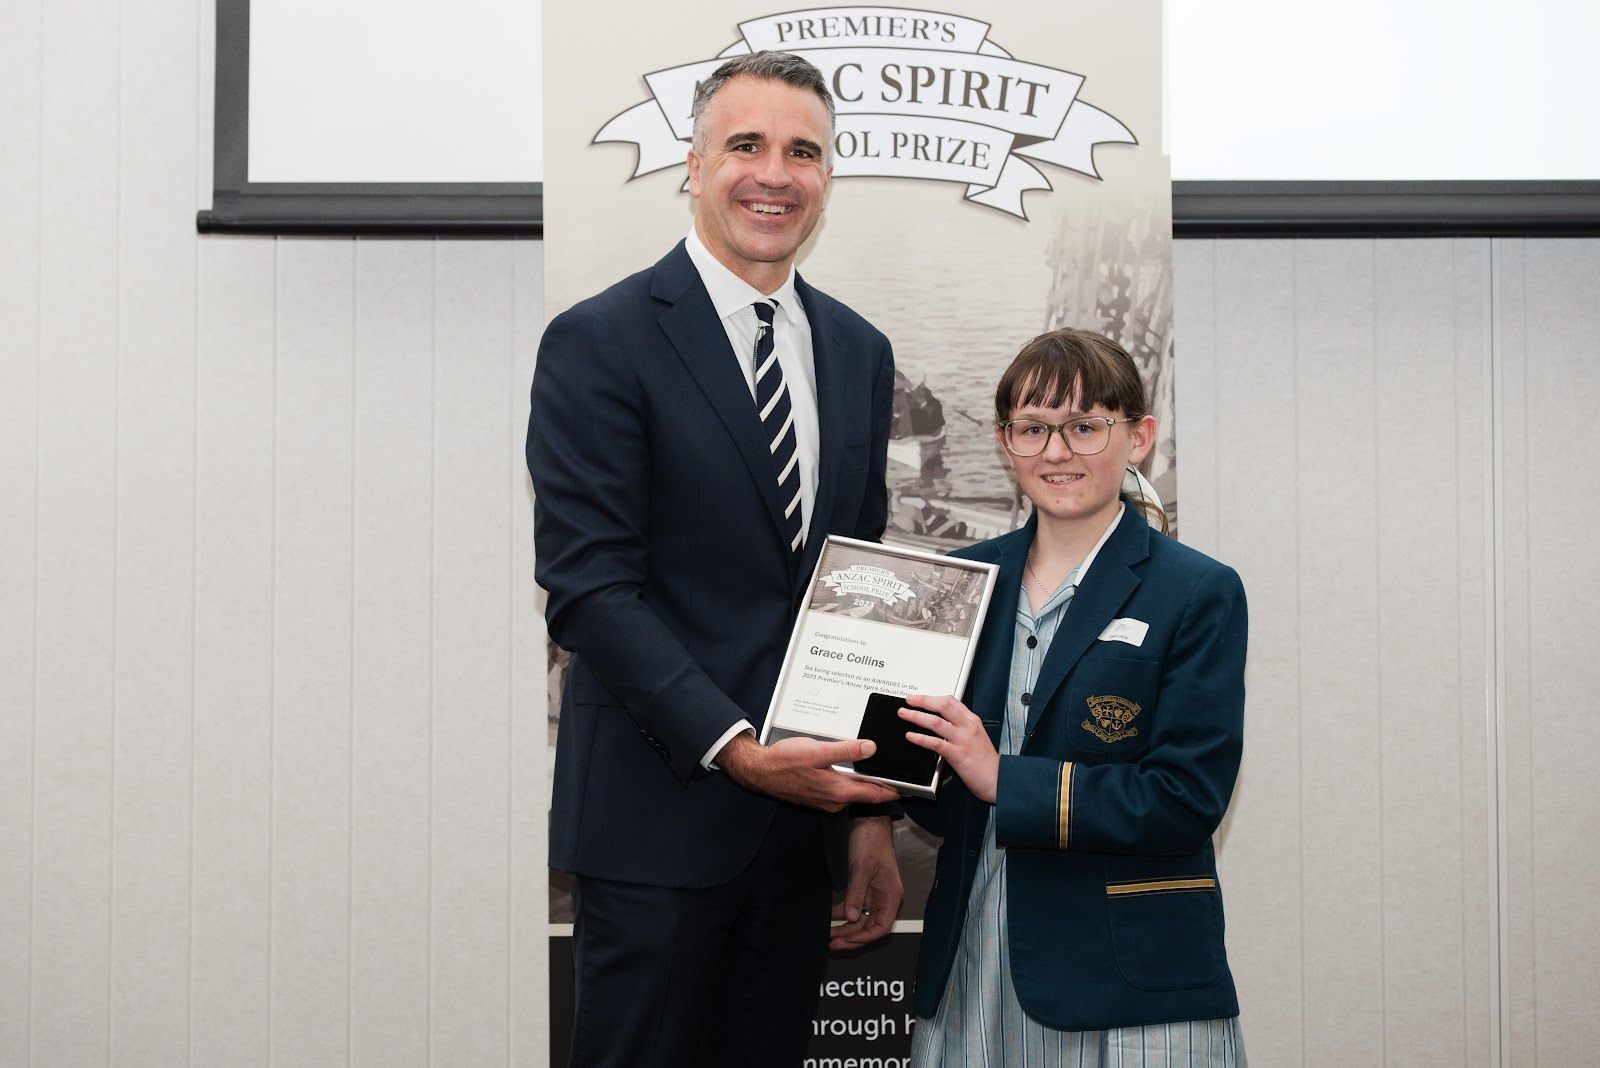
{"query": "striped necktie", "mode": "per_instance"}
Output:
(777, 419)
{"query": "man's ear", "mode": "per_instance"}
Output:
(694, 174)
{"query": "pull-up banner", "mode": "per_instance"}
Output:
(919, 94)
(998, 176)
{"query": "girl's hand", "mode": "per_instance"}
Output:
(959, 737)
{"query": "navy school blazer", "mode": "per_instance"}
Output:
(658, 538)
(1106, 814)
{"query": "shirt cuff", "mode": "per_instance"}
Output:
(716, 747)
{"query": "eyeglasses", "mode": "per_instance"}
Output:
(1086, 435)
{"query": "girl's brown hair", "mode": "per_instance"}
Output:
(1056, 367)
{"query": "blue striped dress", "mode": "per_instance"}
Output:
(979, 1023)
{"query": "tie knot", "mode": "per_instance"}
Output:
(764, 311)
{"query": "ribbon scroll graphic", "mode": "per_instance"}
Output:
(919, 94)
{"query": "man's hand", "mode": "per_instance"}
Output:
(872, 898)
(800, 770)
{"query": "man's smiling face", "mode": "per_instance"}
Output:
(762, 178)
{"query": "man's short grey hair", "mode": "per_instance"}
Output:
(768, 66)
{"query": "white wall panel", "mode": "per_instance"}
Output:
(1262, 844)
(1194, 303)
(155, 544)
(474, 464)
(1429, 608)
(312, 612)
(1474, 543)
(74, 709)
(1515, 633)
(235, 405)
(20, 62)
(1552, 321)
(393, 665)
(1341, 701)
(530, 943)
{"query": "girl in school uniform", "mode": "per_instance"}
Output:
(1076, 917)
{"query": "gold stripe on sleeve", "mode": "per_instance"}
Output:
(1064, 805)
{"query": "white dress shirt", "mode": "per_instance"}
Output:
(733, 298)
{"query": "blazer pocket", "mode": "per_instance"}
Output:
(1167, 930)
(1110, 704)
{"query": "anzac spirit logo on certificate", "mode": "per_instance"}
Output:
(1111, 718)
(902, 590)
(920, 94)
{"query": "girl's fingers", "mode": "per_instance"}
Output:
(944, 708)
(924, 719)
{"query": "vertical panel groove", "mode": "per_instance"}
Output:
(1377, 643)
(1527, 652)
(194, 642)
(433, 623)
(1299, 634)
(38, 413)
(511, 662)
(38, 371)
(1216, 401)
(350, 669)
(194, 548)
(1494, 678)
(116, 554)
(272, 678)
(1461, 766)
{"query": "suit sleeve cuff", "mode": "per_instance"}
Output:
(716, 747)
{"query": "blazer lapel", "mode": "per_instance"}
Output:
(1110, 582)
(991, 672)
(827, 352)
(695, 331)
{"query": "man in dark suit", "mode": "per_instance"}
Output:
(696, 430)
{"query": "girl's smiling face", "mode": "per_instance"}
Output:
(1067, 487)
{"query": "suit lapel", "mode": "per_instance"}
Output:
(827, 354)
(1107, 587)
(692, 326)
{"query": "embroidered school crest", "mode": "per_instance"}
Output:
(1111, 718)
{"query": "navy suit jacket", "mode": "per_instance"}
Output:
(658, 538)
(1107, 812)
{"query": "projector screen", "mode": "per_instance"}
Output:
(425, 116)
(395, 91)
(1380, 90)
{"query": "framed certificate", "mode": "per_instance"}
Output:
(879, 622)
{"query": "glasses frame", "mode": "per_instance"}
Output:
(1005, 425)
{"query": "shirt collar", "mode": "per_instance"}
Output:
(1083, 568)
(1073, 580)
(731, 294)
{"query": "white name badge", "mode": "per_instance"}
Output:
(1127, 630)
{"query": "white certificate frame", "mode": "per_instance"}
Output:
(957, 617)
